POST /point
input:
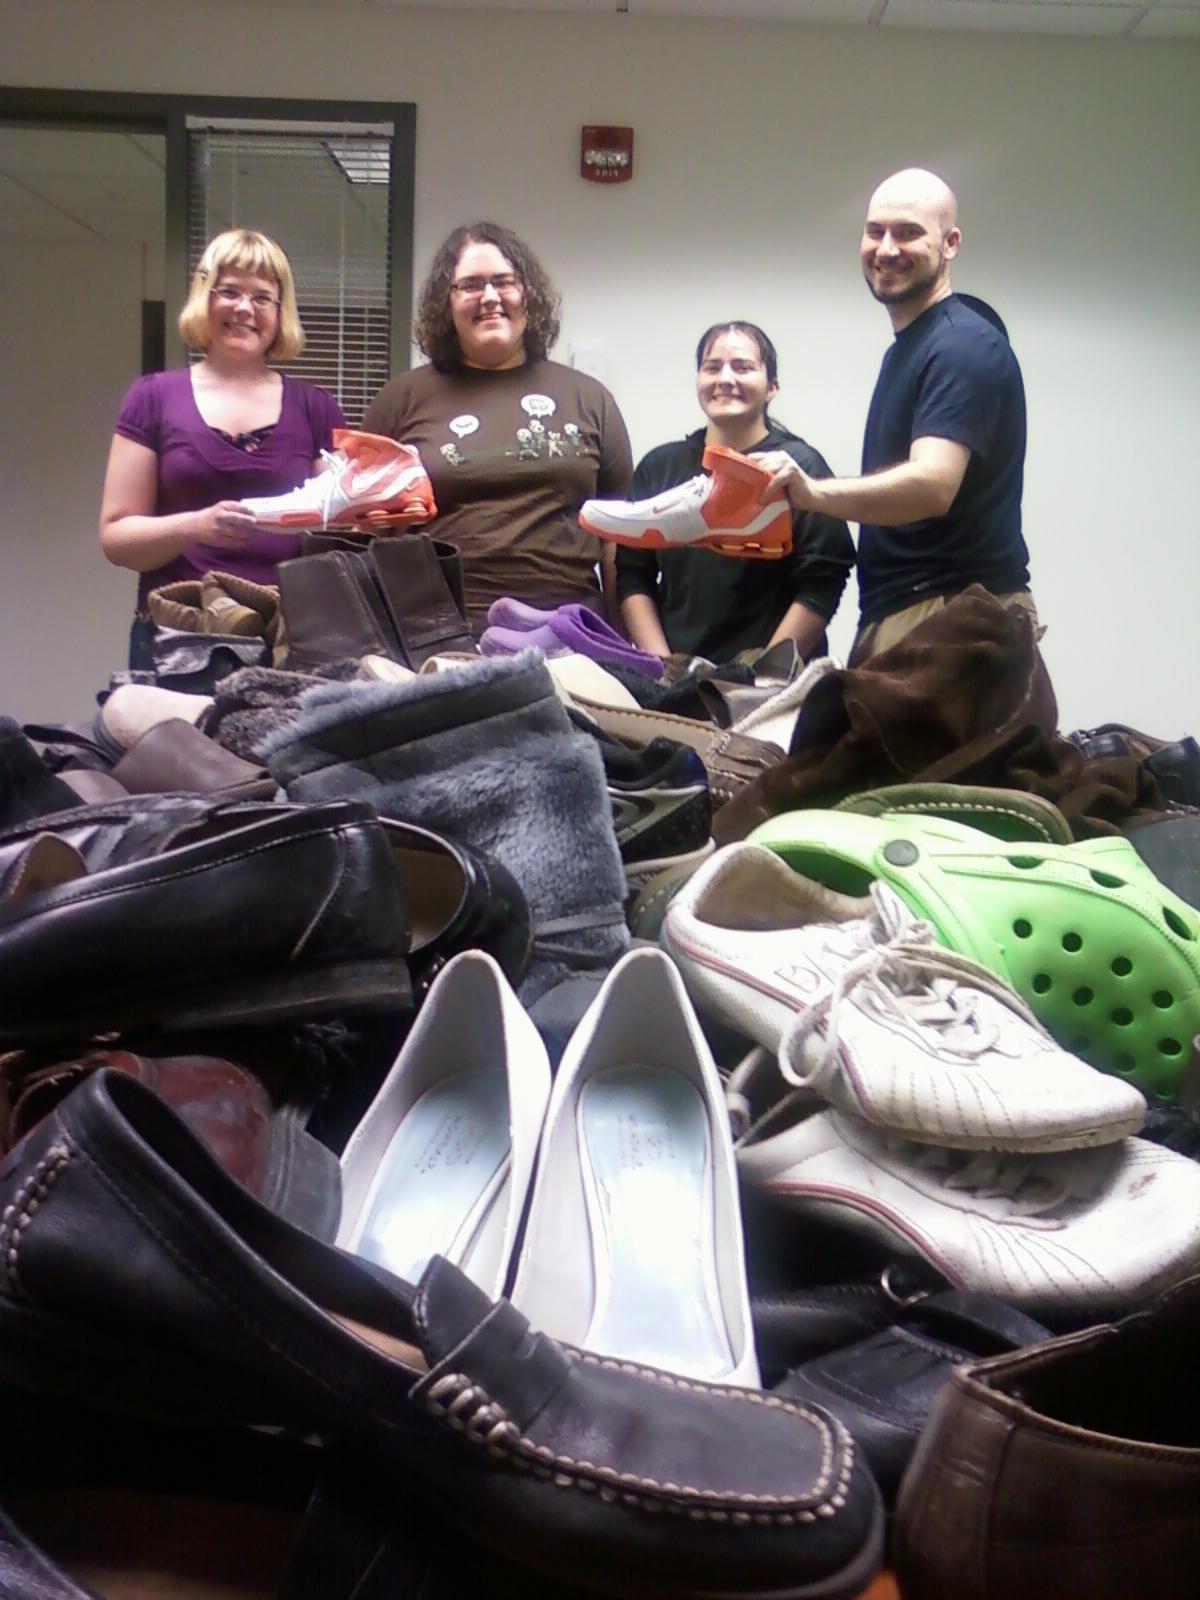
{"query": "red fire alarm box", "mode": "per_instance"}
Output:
(606, 155)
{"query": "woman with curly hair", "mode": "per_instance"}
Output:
(192, 442)
(513, 442)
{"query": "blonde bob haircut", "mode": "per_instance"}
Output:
(241, 250)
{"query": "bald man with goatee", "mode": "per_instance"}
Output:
(939, 501)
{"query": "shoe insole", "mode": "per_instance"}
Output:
(440, 1176)
(648, 1180)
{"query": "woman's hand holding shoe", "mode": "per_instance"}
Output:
(226, 524)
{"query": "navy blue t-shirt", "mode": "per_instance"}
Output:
(951, 374)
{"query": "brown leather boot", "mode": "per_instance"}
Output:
(413, 586)
(449, 557)
(334, 611)
(419, 599)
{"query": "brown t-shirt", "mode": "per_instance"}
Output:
(512, 456)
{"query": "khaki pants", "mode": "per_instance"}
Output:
(877, 636)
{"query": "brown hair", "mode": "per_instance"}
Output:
(434, 332)
(242, 250)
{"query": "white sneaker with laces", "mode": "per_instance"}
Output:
(633, 1244)
(368, 481)
(864, 1006)
(720, 510)
(1085, 1231)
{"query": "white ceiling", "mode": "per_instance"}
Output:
(1098, 19)
(58, 186)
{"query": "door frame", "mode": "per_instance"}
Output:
(84, 110)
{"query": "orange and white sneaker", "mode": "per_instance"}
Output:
(367, 482)
(718, 510)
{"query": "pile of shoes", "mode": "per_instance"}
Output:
(428, 1163)
(180, 1256)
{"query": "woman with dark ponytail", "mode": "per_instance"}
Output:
(696, 601)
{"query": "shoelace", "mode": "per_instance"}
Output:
(1033, 1185)
(743, 1126)
(334, 461)
(912, 978)
(695, 489)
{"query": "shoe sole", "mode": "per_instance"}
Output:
(758, 548)
(348, 989)
(853, 1579)
(375, 516)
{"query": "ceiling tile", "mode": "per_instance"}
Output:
(1170, 22)
(853, 12)
(598, 7)
(1010, 16)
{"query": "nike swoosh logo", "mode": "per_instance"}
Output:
(629, 811)
(359, 483)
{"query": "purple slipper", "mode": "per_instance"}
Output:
(572, 627)
(508, 641)
(516, 615)
(583, 631)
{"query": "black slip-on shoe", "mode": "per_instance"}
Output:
(294, 914)
(883, 1388)
(111, 832)
(134, 1269)
(459, 899)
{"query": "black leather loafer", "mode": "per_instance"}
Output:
(133, 1268)
(883, 1388)
(792, 1327)
(458, 899)
(295, 914)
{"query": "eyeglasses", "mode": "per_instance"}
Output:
(229, 296)
(502, 282)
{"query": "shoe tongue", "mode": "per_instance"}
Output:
(891, 913)
(448, 1307)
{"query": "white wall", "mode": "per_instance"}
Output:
(70, 341)
(1077, 163)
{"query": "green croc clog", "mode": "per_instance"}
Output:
(1003, 813)
(1105, 955)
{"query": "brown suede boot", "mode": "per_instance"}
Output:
(235, 605)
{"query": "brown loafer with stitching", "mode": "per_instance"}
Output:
(1072, 1468)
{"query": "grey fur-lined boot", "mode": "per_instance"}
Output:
(486, 754)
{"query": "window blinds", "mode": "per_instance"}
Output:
(323, 195)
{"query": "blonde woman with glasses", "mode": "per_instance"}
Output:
(192, 442)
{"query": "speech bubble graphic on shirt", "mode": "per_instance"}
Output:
(462, 426)
(538, 405)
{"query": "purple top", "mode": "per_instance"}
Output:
(197, 467)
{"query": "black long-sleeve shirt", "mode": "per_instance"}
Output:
(714, 605)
